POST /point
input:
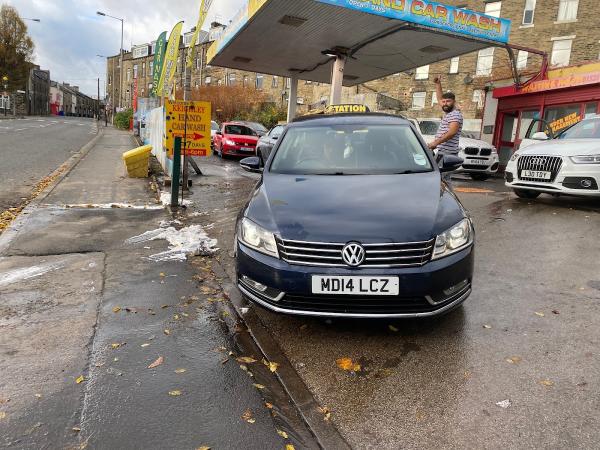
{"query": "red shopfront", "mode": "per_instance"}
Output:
(554, 100)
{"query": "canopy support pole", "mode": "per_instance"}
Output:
(337, 78)
(292, 99)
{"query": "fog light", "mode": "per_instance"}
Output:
(586, 183)
(456, 288)
(254, 284)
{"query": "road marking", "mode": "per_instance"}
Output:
(473, 190)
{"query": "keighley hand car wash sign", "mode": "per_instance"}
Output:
(435, 15)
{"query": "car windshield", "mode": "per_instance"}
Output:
(350, 150)
(429, 127)
(257, 126)
(276, 132)
(586, 129)
(214, 126)
(240, 130)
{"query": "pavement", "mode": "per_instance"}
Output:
(516, 367)
(103, 347)
(33, 147)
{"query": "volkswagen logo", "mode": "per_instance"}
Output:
(538, 161)
(353, 254)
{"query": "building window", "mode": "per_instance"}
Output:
(149, 87)
(259, 81)
(196, 84)
(288, 83)
(198, 59)
(308, 82)
(434, 100)
(143, 91)
(231, 79)
(561, 51)
(418, 100)
(478, 97)
(109, 80)
(245, 81)
(567, 10)
(135, 71)
(522, 59)
(275, 82)
(528, 12)
(493, 9)
(207, 80)
(144, 69)
(219, 82)
(454, 65)
(151, 68)
(5, 102)
(128, 74)
(485, 61)
(422, 73)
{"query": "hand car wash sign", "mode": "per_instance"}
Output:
(434, 15)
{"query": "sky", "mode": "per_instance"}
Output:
(71, 34)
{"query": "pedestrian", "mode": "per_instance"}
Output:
(448, 134)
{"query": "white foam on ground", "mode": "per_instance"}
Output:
(112, 206)
(165, 199)
(188, 241)
(26, 273)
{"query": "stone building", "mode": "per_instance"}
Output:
(38, 92)
(565, 29)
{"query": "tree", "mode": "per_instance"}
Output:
(231, 102)
(16, 48)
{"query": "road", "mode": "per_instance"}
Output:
(516, 367)
(34, 147)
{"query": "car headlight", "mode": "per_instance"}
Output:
(586, 159)
(257, 238)
(453, 239)
(494, 150)
(514, 157)
(229, 142)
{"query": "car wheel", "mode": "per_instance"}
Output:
(479, 176)
(523, 193)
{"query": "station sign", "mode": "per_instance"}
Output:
(191, 122)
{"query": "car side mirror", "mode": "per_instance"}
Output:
(450, 163)
(540, 136)
(251, 164)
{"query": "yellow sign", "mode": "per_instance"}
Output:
(564, 122)
(203, 11)
(170, 62)
(338, 109)
(191, 122)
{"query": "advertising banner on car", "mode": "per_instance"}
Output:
(159, 58)
(564, 122)
(434, 15)
(170, 62)
(191, 122)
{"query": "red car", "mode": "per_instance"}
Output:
(235, 139)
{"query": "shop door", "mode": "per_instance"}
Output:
(508, 134)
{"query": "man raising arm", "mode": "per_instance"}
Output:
(447, 137)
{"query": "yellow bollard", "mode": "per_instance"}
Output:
(137, 160)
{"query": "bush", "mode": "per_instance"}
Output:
(122, 119)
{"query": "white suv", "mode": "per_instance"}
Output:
(568, 164)
(480, 158)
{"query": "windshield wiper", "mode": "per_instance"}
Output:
(405, 172)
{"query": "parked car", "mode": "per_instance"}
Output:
(480, 158)
(214, 127)
(235, 139)
(352, 218)
(568, 164)
(266, 142)
(258, 127)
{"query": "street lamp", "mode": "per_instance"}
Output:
(5, 83)
(100, 13)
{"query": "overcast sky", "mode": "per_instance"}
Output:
(71, 34)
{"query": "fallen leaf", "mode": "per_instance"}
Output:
(167, 332)
(547, 383)
(303, 327)
(115, 345)
(151, 312)
(204, 447)
(514, 359)
(2, 415)
(131, 310)
(247, 416)
(145, 345)
(258, 386)
(76, 429)
(175, 316)
(116, 309)
(185, 314)
(38, 395)
(504, 403)
(555, 311)
(273, 366)
(156, 363)
(225, 360)
(487, 327)
(348, 365)
(162, 274)
(80, 379)
(245, 360)
(467, 374)
(420, 416)
(541, 314)
(165, 306)
(290, 447)
(180, 370)
(175, 393)
(283, 434)
(269, 405)
(393, 328)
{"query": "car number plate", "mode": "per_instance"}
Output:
(351, 285)
(247, 149)
(536, 174)
(478, 162)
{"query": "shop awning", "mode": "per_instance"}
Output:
(295, 38)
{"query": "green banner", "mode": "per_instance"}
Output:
(159, 59)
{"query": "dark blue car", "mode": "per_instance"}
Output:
(352, 218)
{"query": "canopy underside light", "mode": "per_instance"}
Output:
(300, 38)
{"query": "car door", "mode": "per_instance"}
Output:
(536, 126)
(270, 142)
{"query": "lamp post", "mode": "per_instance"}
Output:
(5, 83)
(112, 95)
(100, 13)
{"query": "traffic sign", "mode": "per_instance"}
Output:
(191, 122)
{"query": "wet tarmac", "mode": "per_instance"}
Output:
(515, 367)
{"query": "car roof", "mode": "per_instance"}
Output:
(349, 119)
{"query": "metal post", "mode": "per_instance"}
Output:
(98, 102)
(337, 78)
(292, 98)
(186, 90)
(176, 172)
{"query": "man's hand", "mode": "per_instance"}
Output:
(437, 80)
(431, 146)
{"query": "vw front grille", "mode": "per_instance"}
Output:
(540, 163)
(324, 254)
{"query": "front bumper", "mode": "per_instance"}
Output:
(563, 184)
(421, 288)
(471, 164)
(235, 151)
